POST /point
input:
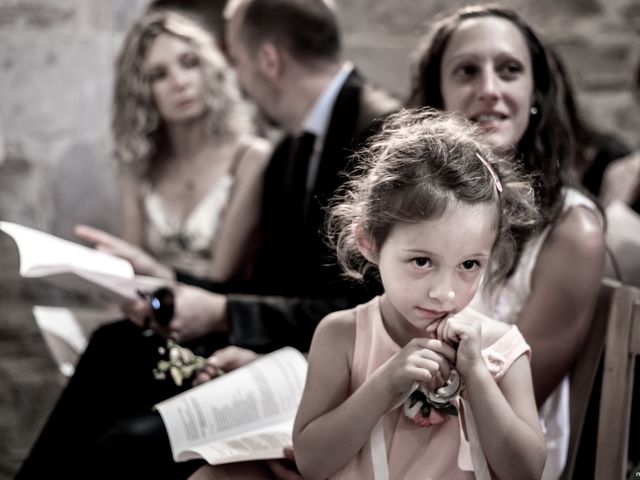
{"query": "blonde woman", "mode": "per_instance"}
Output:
(191, 169)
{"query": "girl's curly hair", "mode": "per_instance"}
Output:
(419, 164)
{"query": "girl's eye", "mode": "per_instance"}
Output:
(190, 61)
(470, 264)
(421, 262)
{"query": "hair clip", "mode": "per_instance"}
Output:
(491, 171)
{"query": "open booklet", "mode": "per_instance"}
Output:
(246, 414)
(74, 267)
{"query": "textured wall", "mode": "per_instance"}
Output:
(55, 79)
(598, 39)
(56, 70)
(55, 169)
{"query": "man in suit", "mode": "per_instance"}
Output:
(287, 55)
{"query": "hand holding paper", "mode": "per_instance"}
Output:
(71, 266)
(142, 262)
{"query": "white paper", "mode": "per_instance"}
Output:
(100, 276)
(246, 414)
(43, 254)
(61, 322)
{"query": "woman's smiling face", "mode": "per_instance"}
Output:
(486, 74)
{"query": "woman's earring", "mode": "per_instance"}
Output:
(534, 110)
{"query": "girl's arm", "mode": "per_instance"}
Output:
(505, 414)
(565, 284)
(240, 221)
(332, 426)
(507, 421)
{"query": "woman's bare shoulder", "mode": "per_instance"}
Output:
(577, 238)
(258, 147)
(256, 153)
(578, 222)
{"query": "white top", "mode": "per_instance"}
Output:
(186, 243)
(505, 305)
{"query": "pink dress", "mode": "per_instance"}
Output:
(414, 452)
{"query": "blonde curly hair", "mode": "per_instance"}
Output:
(137, 128)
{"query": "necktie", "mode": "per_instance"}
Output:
(301, 155)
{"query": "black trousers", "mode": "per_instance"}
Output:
(103, 425)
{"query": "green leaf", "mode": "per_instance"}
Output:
(449, 409)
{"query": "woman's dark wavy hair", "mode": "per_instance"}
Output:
(547, 147)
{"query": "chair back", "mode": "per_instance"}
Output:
(585, 368)
(621, 348)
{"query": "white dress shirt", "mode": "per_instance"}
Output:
(317, 121)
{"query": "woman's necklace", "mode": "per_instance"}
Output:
(189, 184)
(196, 171)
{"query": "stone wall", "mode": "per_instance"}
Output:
(56, 72)
(56, 63)
(599, 41)
(55, 80)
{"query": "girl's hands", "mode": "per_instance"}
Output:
(422, 359)
(463, 329)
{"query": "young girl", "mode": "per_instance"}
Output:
(434, 210)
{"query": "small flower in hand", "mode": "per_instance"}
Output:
(432, 408)
(180, 362)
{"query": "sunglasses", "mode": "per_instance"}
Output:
(161, 306)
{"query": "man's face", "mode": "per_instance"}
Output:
(253, 81)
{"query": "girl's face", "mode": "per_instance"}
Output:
(433, 268)
(487, 76)
(176, 79)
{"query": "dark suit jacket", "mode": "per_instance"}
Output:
(289, 268)
(294, 281)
